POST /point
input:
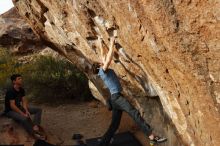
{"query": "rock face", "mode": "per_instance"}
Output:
(16, 34)
(168, 48)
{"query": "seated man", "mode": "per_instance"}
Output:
(16, 108)
(117, 101)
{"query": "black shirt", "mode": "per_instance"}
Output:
(13, 94)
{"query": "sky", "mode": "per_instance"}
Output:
(5, 5)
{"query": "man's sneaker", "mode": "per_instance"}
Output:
(157, 140)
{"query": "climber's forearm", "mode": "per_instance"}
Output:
(109, 55)
(103, 57)
(101, 50)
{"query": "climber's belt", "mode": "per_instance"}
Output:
(115, 95)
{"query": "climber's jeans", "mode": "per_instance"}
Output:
(120, 104)
(26, 122)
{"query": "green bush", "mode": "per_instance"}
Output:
(46, 78)
(8, 66)
(57, 79)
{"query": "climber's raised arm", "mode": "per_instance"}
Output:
(103, 55)
(110, 54)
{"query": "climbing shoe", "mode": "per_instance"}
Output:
(157, 140)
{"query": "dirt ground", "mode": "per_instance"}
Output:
(91, 119)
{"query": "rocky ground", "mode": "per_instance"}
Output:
(91, 119)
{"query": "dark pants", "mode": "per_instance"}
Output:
(120, 104)
(26, 122)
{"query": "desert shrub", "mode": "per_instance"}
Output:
(57, 79)
(8, 66)
(46, 78)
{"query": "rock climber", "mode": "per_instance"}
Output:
(117, 102)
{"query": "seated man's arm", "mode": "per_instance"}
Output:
(24, 103)
(15, 108)
(109, 55)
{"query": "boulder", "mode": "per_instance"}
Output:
(167, 49)
(16, 35)
(12, 133)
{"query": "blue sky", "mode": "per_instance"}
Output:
(5, 5)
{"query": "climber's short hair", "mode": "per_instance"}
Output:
(95, 67)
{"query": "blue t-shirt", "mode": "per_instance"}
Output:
(111, 80)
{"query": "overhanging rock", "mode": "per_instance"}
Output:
(169, 46)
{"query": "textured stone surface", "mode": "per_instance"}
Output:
(17, 35)
(171, 46)
(12, 133)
